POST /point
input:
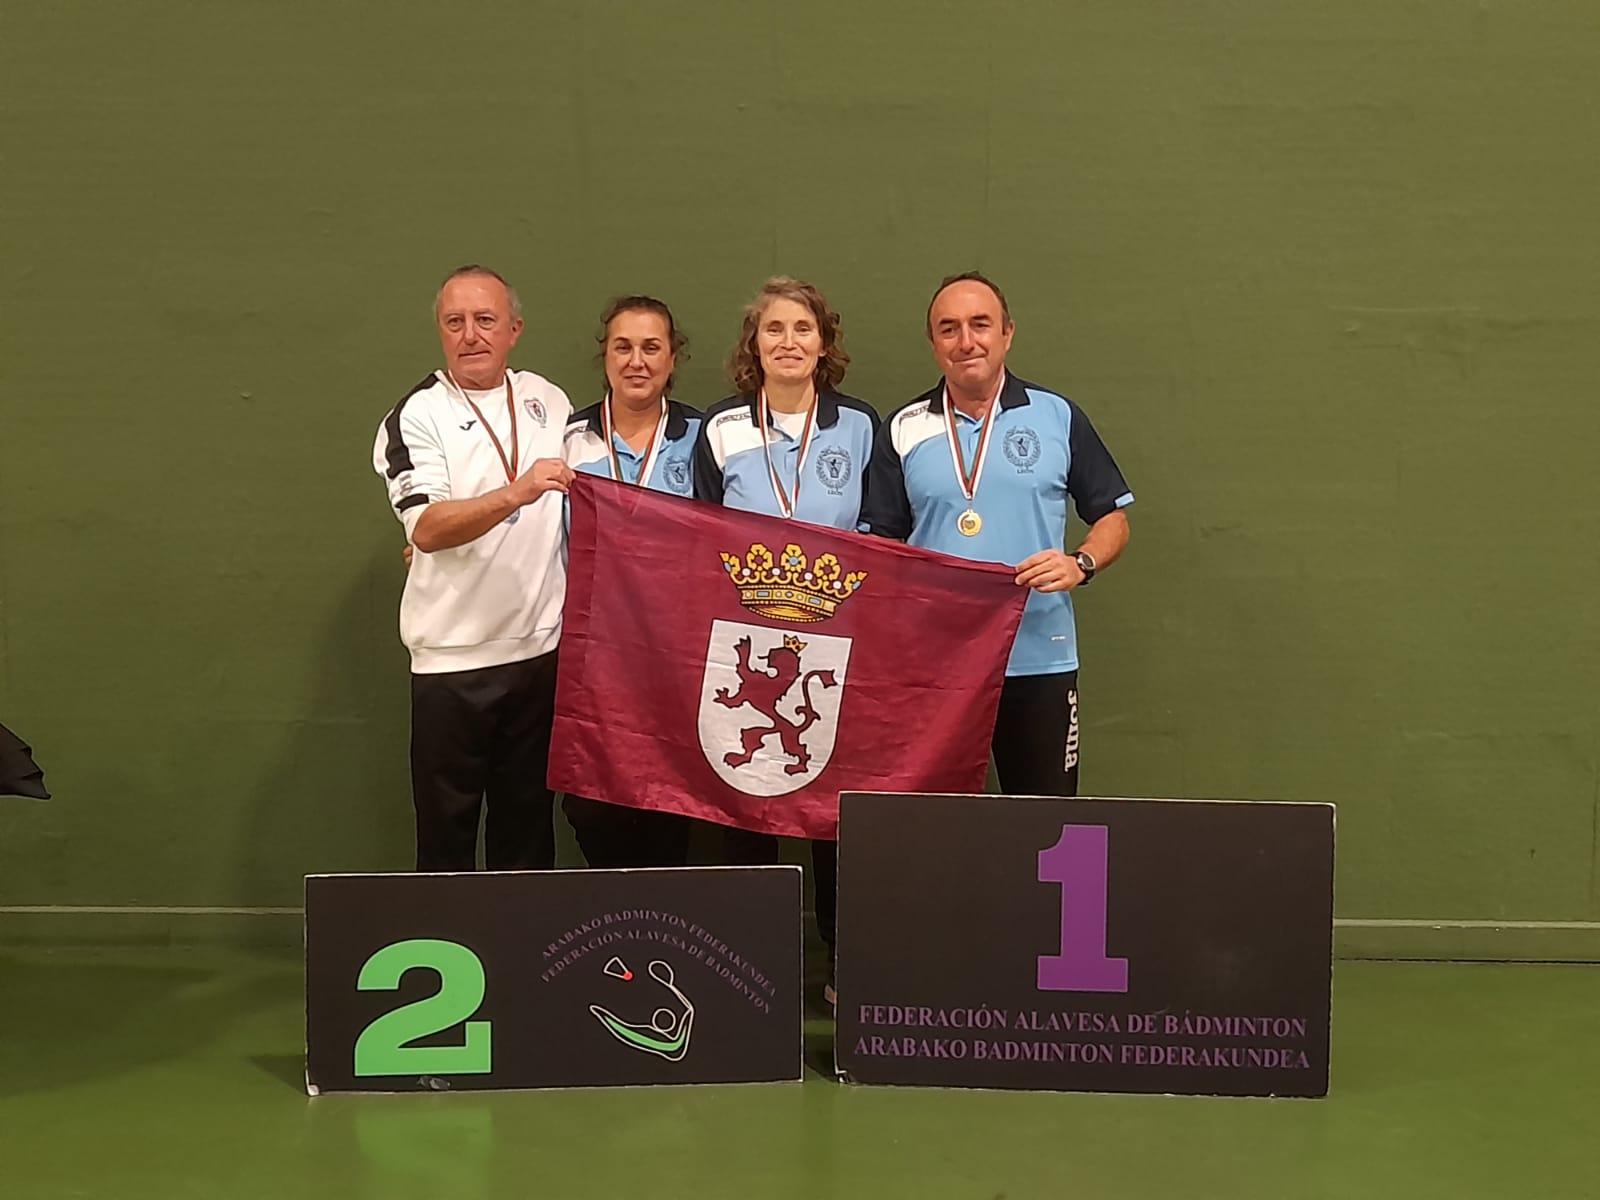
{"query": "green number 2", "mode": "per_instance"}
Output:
(381, 1049)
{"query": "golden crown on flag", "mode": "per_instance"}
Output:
(792, 587)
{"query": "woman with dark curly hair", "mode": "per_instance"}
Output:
(789, 444)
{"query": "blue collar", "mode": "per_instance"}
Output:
(827, 409)
(677, 419)
(1013, 394)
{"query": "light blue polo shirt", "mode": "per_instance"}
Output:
(1043, 450)
(584, 449)
(731, 462)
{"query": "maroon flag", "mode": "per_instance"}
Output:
(746, 670)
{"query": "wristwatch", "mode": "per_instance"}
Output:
(1086, 564)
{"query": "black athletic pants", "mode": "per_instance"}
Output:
(1035, 743)
(743, 848)
(613, 836)
(482, 739)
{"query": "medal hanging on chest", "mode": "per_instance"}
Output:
(970, 523)
(787, 501)
(508, 464)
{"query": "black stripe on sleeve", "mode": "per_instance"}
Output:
(398, 453)
(885, 507)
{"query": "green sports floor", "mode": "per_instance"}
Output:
(175, 1072)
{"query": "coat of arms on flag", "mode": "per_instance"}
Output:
(770, 700)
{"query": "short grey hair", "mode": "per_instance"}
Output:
(486, 272)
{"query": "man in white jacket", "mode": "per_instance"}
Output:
(472, 460)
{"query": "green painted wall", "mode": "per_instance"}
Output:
(1326, 276)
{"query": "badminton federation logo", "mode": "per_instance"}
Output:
(667, 1032)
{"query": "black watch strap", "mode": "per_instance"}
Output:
(1086, 564)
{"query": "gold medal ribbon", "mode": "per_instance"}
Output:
(970, 522)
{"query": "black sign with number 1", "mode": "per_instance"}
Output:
(1179, 946)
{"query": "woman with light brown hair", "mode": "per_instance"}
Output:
(789, 444)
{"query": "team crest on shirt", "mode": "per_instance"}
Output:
(535, 409)
(770, 697)
(834, 469)
(1021, 446)
(675, 474)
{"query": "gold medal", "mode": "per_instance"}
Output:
(969, 523)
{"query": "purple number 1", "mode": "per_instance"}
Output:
(1078, 862)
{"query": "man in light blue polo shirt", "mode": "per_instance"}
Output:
(981, 466)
